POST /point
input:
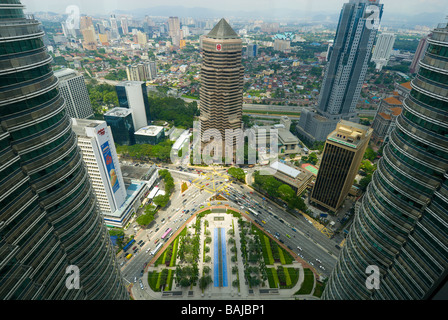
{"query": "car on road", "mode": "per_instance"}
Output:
(187, 211)
(141, 285)
(135, 279)
(263, 221)
(141, 273)
(134, 248)
(147, 250)
(281, 241)
(322, 267)
(311, 263)
(142, 244)
(157, 229)
(318, 261)
(155, 242)
(299, 248)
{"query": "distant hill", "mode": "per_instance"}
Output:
(391, 19)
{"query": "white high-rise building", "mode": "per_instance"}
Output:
(133, 95)
(124, 25)
(98, 152)
(383, 49)
(114, 27)
(73, 88)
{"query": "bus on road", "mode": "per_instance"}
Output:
(156, 249)
(166, 233)
(126, 247)
(255, 213)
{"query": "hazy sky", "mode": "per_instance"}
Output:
(107, 6)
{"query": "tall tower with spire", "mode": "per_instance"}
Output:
(222, 75)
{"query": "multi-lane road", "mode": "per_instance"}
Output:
(299, 235)
(296, 233)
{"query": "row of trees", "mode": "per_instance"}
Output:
(162, 200)
(147, 152)
(174, 110)
(311, 159)
(277, 189)
(367, 170)
(101, 95)
(238, 174)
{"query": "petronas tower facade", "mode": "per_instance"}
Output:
(53, 242)
(402, 226)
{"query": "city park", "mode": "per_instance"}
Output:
(221, 253)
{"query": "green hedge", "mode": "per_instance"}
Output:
(169, 280)
(280, 253)
(174, 255)
(267, 246)
(272, 278)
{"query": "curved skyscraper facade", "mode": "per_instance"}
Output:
(402, 225)
(49, 228)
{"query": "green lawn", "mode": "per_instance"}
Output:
(318, 290)
(153, 278)
(308, 282)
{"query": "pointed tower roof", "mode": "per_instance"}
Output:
(223, 30)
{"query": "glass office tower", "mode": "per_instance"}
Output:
(345, 72)
(402, 226)
(48, 220)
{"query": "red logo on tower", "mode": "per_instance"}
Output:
(101, 132)
(218, 47)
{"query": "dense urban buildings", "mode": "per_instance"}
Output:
(344, 73)
(342, 156)
(98, 153)
(48, 214)
(145, 71)
(132, 95)
(401, 226)
(221, 89)
(74, 91)
(88, 177)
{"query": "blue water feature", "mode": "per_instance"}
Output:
(220, 258)
(224, 257)
(215, 258)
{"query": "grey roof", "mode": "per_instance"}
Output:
(223, 30)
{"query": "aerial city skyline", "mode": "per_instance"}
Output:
(339, 190)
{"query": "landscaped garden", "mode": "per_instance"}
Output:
(187, 262)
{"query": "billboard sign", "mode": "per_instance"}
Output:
(110, 166)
